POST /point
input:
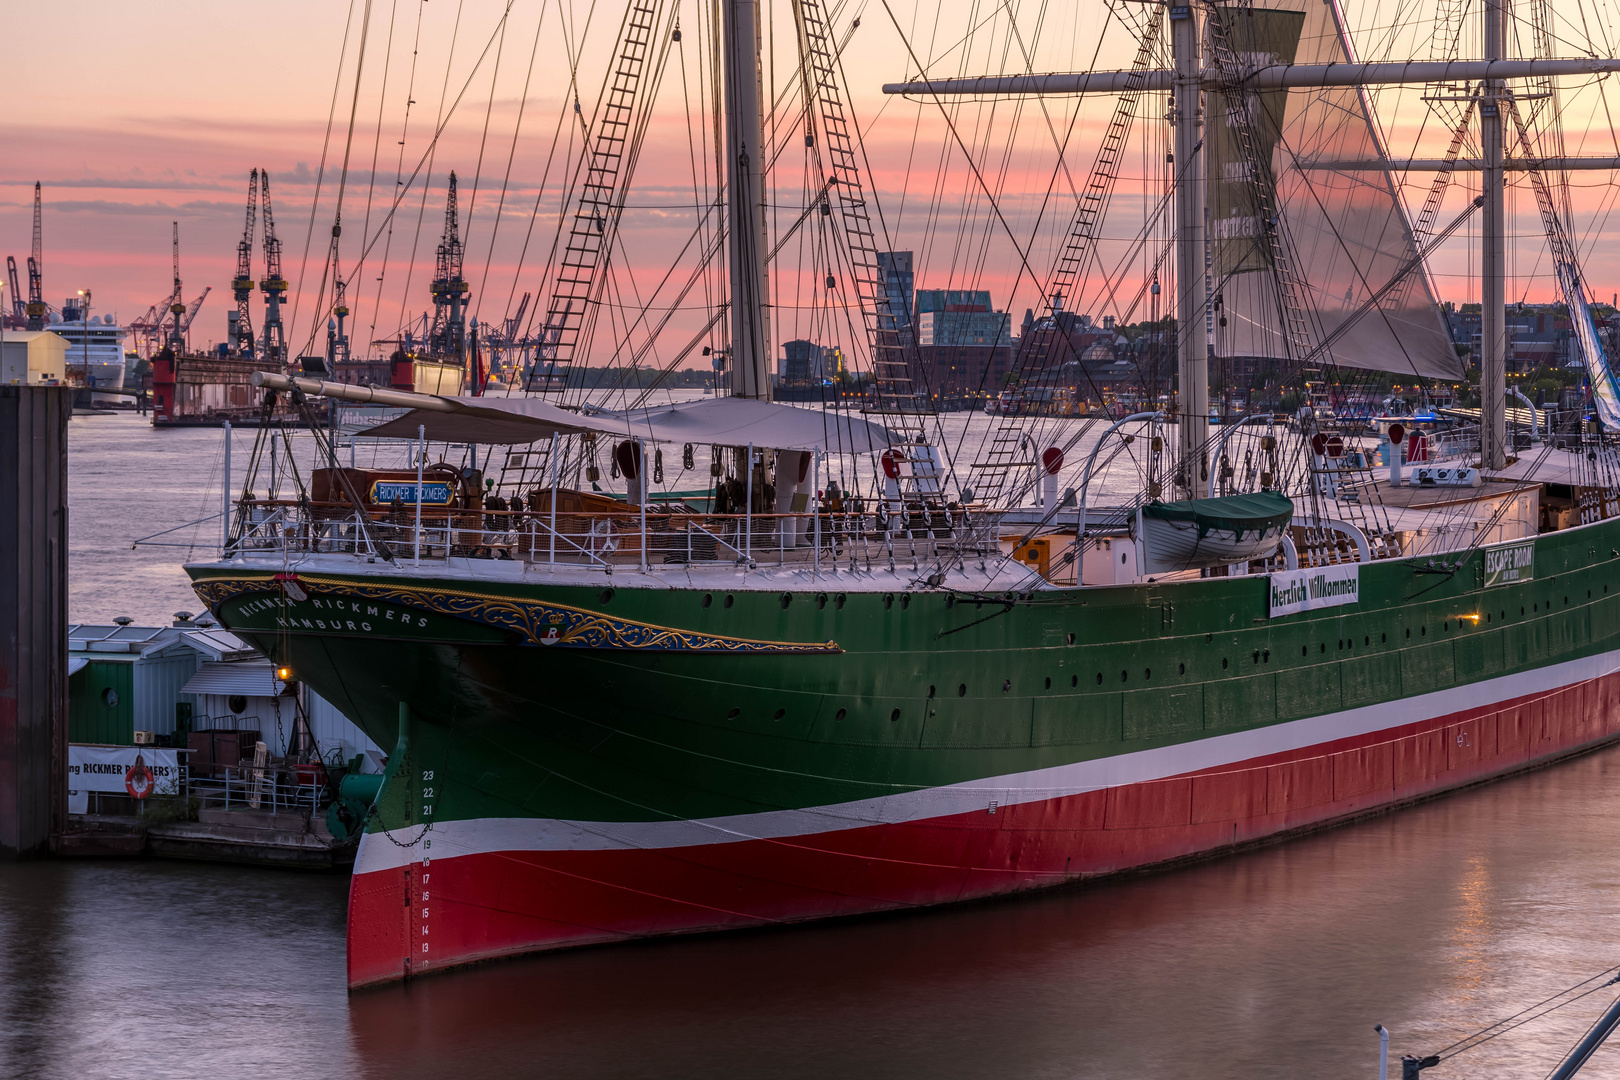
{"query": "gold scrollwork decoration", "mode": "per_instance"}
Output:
(538, 622)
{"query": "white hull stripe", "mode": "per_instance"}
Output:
(448, 839)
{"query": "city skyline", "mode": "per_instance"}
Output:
(129, 144)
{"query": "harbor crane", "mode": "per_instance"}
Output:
(448, 336)
(19, 312)
(240, 331)
(273, 341)
(36, 288)
(177, 302)
(150, 329)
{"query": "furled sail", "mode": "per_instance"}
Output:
(1347, 231)
(1605, 384)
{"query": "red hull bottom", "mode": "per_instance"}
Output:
(443, 912)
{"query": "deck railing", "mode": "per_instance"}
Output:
(273, 788)
(652, 537)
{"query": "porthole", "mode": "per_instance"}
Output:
(1423, 631)
(1147, 673)
(708, 598)
(1487, 616)
(109, 698)
(1257, 656)
(930, 693)
(1049, 682)
(838, 601)
(1124, 676)
(1099, 678)
(894, 716)
(1535, 607)
(1408, 631)
(1006, 686)
(961, 691)
(1223, 663)
(1181, 669)
(821, 601)
(1566, 599)
(1341, 643)
(1071, 639)
(733, 714)
(1366, 639)
(1323, 646)
(1265, 656)
(1074, 682)
(888, 601)
(730, 600)
(840, 714)
(779, 714)
(1304, 650)
(605, 595)
(1521, 610)
(1383, 639)
(236, 703)
(905, 601)
(787, 598)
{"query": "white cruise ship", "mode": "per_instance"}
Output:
(95, 348)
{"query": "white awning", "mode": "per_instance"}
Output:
(723, 421)
(249, 678)
(489, 420)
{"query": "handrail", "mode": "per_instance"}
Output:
(1091, 460)
(1359, 538)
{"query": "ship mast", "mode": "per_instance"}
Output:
(745, 203)
(1192, 352)
(1493, 329)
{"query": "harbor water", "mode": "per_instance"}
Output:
(1435, 921)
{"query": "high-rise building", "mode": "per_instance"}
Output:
(960, 317)
(963, 345)
(899, 282)
(802, 361)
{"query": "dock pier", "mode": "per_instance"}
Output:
(33, 618)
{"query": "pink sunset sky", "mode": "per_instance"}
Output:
(136, 116)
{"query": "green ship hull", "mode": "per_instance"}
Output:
(586, 762)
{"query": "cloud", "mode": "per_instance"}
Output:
(127, 184)
(195, 208)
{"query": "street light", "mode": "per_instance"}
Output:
(84, 335)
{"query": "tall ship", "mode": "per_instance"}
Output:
(729, 663)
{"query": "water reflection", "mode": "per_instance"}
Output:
(1435, 921)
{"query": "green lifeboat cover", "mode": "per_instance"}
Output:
(1233, 513)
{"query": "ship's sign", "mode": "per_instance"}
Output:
(1509, 564)
(1306, 590)
(434, 492)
